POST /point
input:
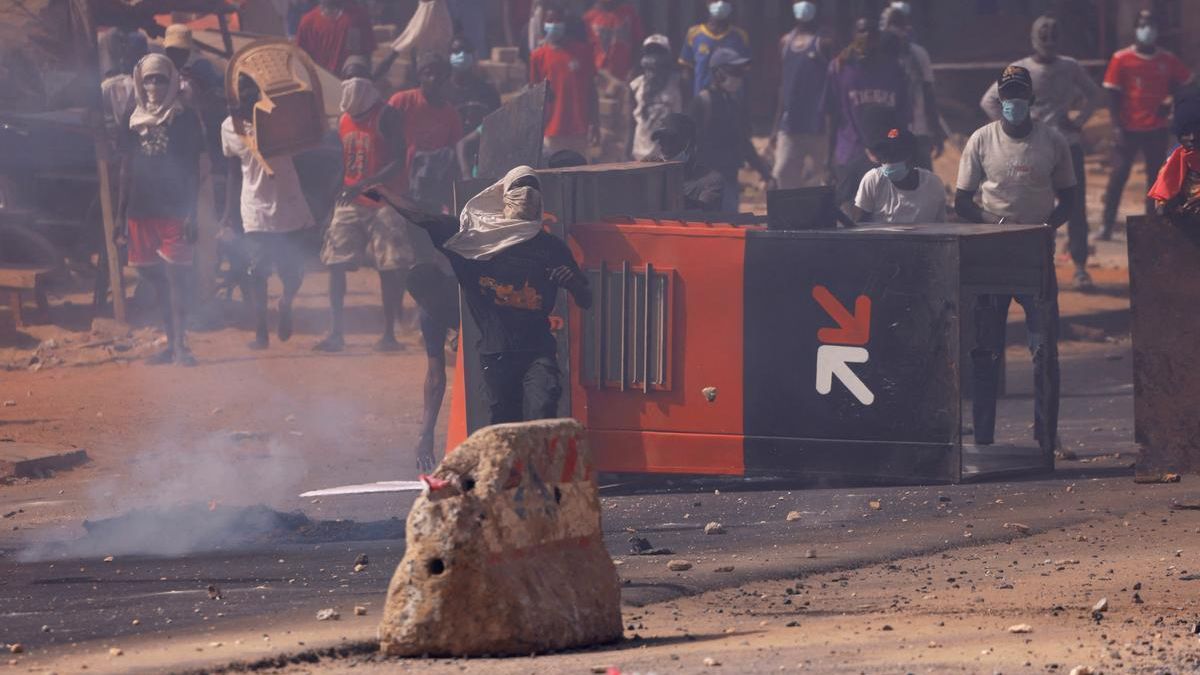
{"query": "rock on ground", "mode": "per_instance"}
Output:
(505, 554)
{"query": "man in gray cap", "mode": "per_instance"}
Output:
(723, 130)
(1021, 167)
(1060, 84)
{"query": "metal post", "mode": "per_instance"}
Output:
(646, 314)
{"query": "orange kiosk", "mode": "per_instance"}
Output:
(722, 346)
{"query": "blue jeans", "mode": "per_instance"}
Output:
(1041, 321)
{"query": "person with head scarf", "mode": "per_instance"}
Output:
(1177, 188)
(361, 231)
(657, 92)
(510, 270)
(1140, 81)
(273, 213)
(1060, 85)
(159, 181)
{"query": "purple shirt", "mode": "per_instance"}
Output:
(867, 95)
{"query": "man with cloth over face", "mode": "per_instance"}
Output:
(510, 270)
(1059, 84)
(1020, 165)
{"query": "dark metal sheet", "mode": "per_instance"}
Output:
(912, 344)
(512, 135)
(1164, 258)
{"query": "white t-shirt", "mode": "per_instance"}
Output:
(649, 114)
(1017, 177)
(879, 196)
(269, 203)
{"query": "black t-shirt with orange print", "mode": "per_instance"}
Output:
(511, 295)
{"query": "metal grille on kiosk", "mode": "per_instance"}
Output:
(626, 333)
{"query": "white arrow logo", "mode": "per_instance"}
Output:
(834, 360)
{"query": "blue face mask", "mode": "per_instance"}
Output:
(895, 171)
(720, 9)
(460, 60)
(1015, 110)
(555, 31)
(1147, 35)
(804, 11)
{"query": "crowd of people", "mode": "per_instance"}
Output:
(863, 119)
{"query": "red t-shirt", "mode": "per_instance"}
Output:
(1144, 82)
(571, 77)
(330, 39)
(366, 150)
(426, 127)
(614, 35)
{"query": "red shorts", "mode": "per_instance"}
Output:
(155, 240)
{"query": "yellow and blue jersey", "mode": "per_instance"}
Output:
(702, 42)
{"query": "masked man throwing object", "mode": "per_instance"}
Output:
(510, 270)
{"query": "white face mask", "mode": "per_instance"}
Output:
(523, 203)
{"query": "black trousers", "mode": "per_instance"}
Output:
(1153, 146)
(521, 386)
(1041, 322)
(1077, 224)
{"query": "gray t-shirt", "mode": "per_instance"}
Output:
(1058, 87)
(1016, 177)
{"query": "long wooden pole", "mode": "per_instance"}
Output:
(85, 29)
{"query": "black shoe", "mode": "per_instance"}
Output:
(332, 343)
(285, 322)
(259, 343)
(388, 344)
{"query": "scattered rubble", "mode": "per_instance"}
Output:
(328, 614)
(16, 648)
(875, 505)
(793, 516)
(1019, 527)
(116, 651)
(679, 565)
(1101, 605)
(359, 610)
(714, 528)
(1020, 628)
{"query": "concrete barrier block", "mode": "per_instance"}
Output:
(504, 551)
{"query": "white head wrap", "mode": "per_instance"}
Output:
(146, 114)
(484, 229)
(358, 96)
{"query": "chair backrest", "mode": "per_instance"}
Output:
(289, 114)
